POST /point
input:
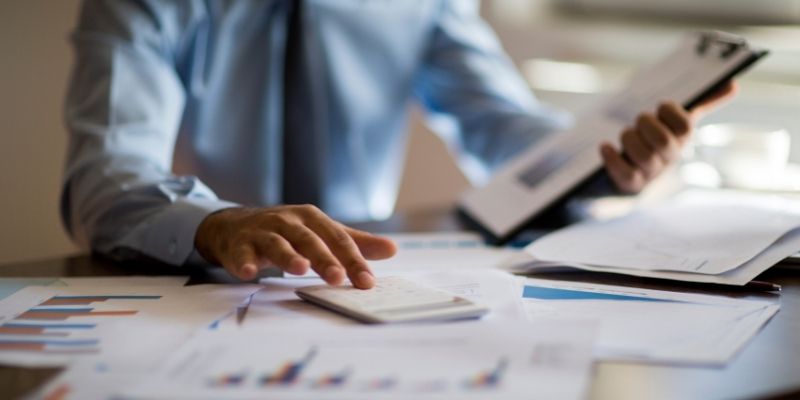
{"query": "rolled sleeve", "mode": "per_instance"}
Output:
(170, 237)
(123, 111)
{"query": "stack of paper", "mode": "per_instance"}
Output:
(711, 243)
(157, 341)
(276, 307)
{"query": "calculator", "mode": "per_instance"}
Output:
(392, 300)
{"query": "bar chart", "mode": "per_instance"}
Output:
(229, 380)
(332, 380)
(489, 379)
(355, 375)
(41, 329)
(288, 373)
(442, 361)
(51, 346)
(112, 324)
(54, 325)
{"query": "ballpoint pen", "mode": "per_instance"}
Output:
(762, 286)
(752, 286)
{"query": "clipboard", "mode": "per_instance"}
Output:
(561, 164)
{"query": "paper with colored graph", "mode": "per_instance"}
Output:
(125, 328)
(450, 361)
(653, 326)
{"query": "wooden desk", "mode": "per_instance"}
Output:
(768, 367)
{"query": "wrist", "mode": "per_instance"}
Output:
(210, 227)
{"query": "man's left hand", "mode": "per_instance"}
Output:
(655, 141)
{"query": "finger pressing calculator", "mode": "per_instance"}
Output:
(392, 300)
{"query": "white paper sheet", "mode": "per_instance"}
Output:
(447, 361)
(78, 383)
(655, 326)
(446, 250)
(739, 276)
(55, 326)
(436, 251)
(277, 305)
(493, 288)
(703, 239)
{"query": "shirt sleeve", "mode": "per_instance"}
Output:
(474, 95)
(123, 112)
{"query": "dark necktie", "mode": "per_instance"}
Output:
(302, 148)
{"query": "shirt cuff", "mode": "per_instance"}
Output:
(195, 259)
(172, 236)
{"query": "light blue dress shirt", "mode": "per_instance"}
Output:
(174, 109)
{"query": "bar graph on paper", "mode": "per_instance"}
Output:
(450, 361)
(294, 374)
(63, 324)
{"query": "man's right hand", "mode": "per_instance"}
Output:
(293, 238)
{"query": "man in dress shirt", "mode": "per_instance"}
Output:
(200, 130)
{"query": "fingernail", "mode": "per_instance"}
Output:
(297, 266)
(248, 270)
(298, 263)
(333, 273)
(365, 280)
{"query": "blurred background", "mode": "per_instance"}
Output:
(570, 51)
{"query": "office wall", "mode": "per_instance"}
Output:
(34, 63)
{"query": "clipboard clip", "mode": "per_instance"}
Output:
(728, 44)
